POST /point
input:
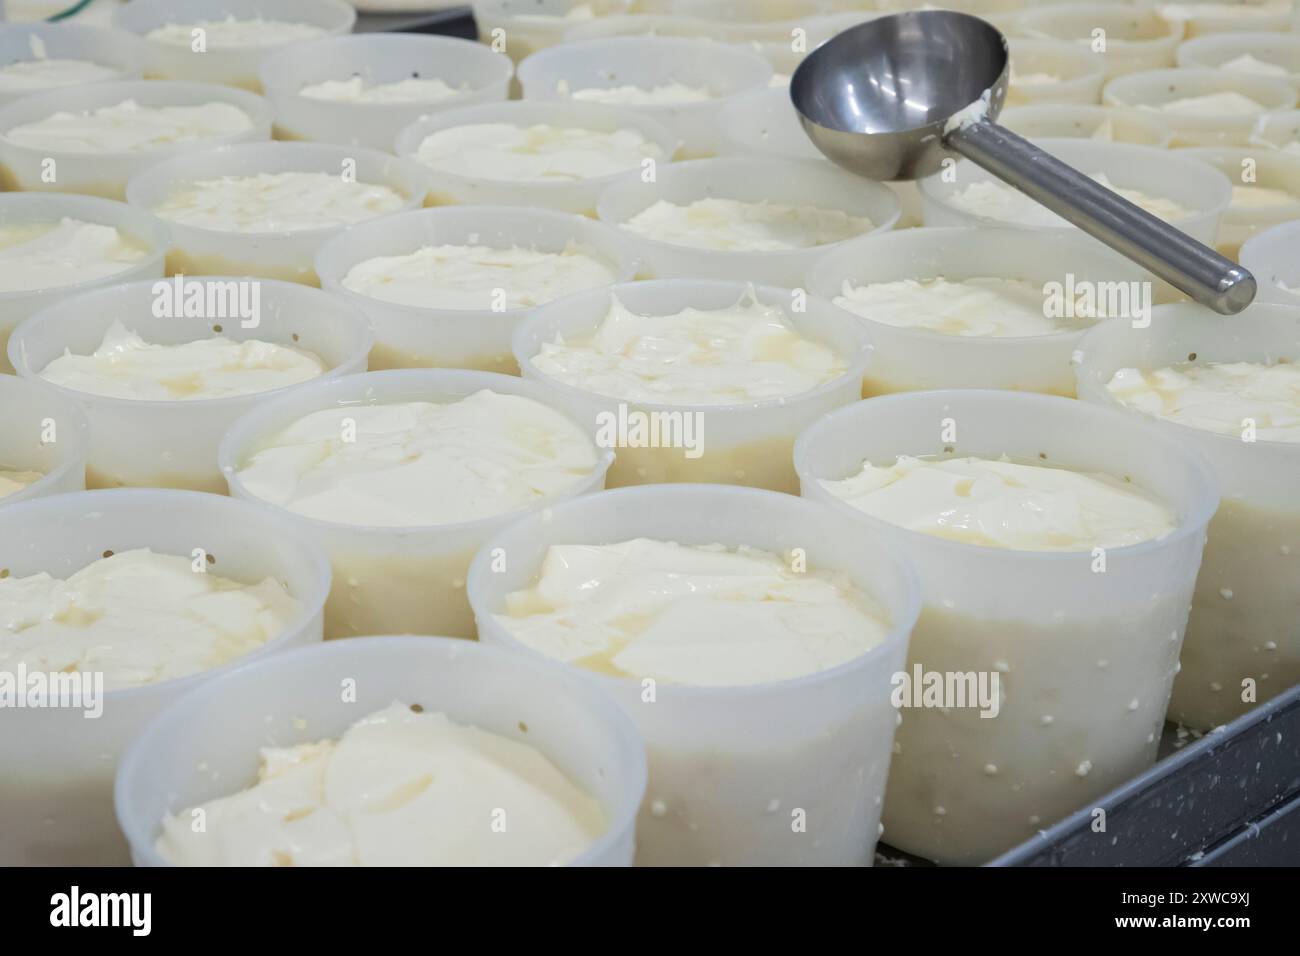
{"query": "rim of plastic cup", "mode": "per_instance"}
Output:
(141, 16)
(1188, 524)
(1087, 67)
(143, 180)
(171, 500)
(856, 365)
(1284, 211)
(1040, 18)
(1125, 91)
(589, 697)
(319, 396)
(332, 275)
(900, 629)
(92, 96)
(1041, 109)
(1199, 52)
(1260, 251)
(363, 345)
(74, 450)
(139, 223)
(127, 44)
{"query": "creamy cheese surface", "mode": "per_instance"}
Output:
(277, 202)
(478, 277)
(1248, 63)
(126, 366)
(1188, 11)
(539, 153)
(1261, 197)
(12, 480)
(129, 127)
(733, 225)
(1221, 397)
(702, 616)
(421, 463)
(234, 32)
(45, 74)
(746, 353)
(992, 199)
(665, 94)
(399, 788)
(1033, 79)
(47, 254)
(356, 89)
(1225, 102)
(999, 503)
(138, 617)
(982, 306)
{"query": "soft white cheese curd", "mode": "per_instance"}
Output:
(277, 202)
(356, 89)
(1033, 79)
(138, 617)
(129, 127)
(234, 32)
(1248, 63)
(538, 153)
(733, 225)
(665, 94)
(980, 306)
(398, 788)
(1261, 197)
(707, 616)
(126, 366)
(1223, 103)
(45, 74)
(991, 199)
(46, 254)
(13, 480)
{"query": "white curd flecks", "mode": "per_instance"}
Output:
(733, 225)
(41, 255)
(129, 127)
(233, 32)
(357, 89)
(538, 153)
(979, 306)
(990, 199)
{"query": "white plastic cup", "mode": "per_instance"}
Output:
(522, 27)
(228, 65)
(1270, 255)
(1001, 13)
(1242, 625)
(142, 229)
(1193, 184)
(1086, 121)
(576, 196)
(745, 444)
(1279, 130)
(294, 698)
(731, 766)
(41, 431)
(914, 359)
(376, 58)
(1081, 73)
(1213, 51)
(106, 173)
(288, 254)
(432, 337)
(173, 444)
(791, 182)
(1249, 165)
(1152, 88)
(390, 580)
(116, 50)
(1137, 38)
(57, 799)
(1084, 659)
(1250, 15)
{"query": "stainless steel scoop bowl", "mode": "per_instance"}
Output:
(892, 97)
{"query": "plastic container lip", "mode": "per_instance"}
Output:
(1188, 524)
(128, 50)
(1035, 22)
(1228, 153)
(334, 272)
(79, 445)
(311, 603)
(1101, 396)
(1212, 50)
(1046, 111)
(134, 827)
(173, 170)
(252, 426)
(1128, 90)
(542, 313)
(92, 96)
(1078, 65)
(138, 224)
(906, 578)
(1264, 252)
(22, 367)
(140, 17)
(749, 117)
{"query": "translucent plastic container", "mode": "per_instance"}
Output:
(106, 173)
(230, 65)
(1084, 658)
(1150, 89)
(1085, 121)
(430, 337)
(1249, 166)
(1193, 184)
(732, 767)
(478, 75)
(1201, 17)
(1001, 13)
(745, 444)
(649, 62)
(1270, 255)
(1279, 130)
(915, 359)
(1213, 52)
(390, 580)
(1136, 38)
(575, 195)
(790, 182)
(116, 50)
(1248, 593)
(288, 254)
(58, 801)
(44, 432)
(19, 209)
(521, 27)
(173, 444)
(206, 746)
(1076, 73)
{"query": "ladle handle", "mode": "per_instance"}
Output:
(1193, 268)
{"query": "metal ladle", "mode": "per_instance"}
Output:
(892, 97)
